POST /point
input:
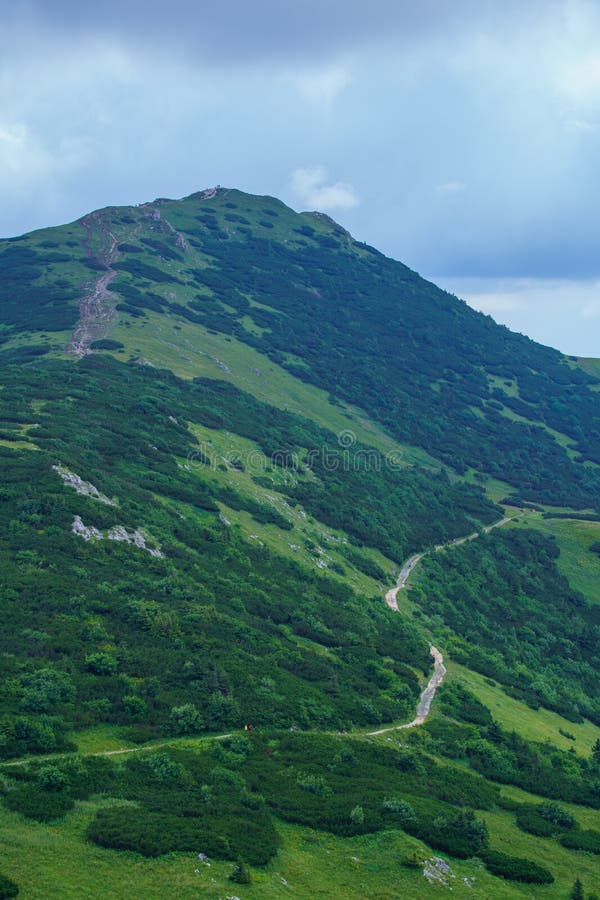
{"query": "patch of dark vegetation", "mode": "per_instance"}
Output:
(94, 264)
(140, 269)
(163, 249)
(34, 802)
(129, 248)
(106, 344)
(27, 302)
(8, 888)
(130, 310)
(363, 563)
(588, 840)
(24, 354)
(579, 517)
(514, 868)
(259, 511)
(208, 799)
(544, 820)
(138, 298)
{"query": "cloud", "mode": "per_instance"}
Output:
(322, 86)
(311, 188)
(580, 79)
(450, 187)
(494, 303)
(24, 161)
(549, 310)
(591, 310)
(583, 126)
(233, 31)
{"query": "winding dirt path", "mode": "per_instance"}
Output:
(427, 695)
(391, 597)
(439, 669)
(426, 698)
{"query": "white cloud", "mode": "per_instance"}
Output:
(27, 162)
(450, 187)
(550, 310)
(494, 303)
(580, 79)
(323, 86)
(311, 188)
(582, 126)
(22, 160)
(591, 310)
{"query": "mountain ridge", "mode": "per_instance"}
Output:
(476, 403)
(208, 490)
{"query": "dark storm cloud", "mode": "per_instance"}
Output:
(230, 30)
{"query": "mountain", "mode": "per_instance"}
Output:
(224, 427)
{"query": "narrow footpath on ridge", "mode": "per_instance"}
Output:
(439, 669)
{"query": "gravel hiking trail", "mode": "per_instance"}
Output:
(439, 669)
(426, 698)
(427, 694)
(391, 597)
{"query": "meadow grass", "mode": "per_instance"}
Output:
(189, 350)
(577, 562)
(590, 365)
(55, 862)
(310, 542)
(532, 724)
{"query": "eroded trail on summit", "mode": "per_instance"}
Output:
(439, 669)
(97, 305)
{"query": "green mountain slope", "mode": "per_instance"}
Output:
(224, 426)
(335, 313)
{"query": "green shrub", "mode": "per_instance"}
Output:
(50, 778)
(138, 734)
(8, 888)
(241, 833)
(461, 835)
(101, 663)
(508, 803)
(314, 784)
(161, 768)
(241, 874)
(515, 868)
(357, 815)
(555, 814)
(400, 809)
(106, 344)
(544, 819)
(35, 803)
(44, 688)
(588, 840)
(186, 719)
(152, 834)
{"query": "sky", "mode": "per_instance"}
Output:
(459, 136)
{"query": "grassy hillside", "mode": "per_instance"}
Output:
(332, 312)
(224, 427)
